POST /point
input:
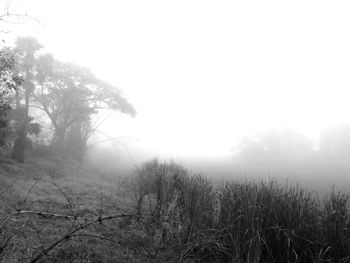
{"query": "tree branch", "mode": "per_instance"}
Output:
(71, 233)
(44, 214)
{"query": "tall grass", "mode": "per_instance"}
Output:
(184, 218)
(250, 221)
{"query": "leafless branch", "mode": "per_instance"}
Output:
(74, 231)
(30, 189)
(17, 16)
(39, 213)
(99, 237)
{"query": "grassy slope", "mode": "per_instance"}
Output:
(45, 185)
(40, 181)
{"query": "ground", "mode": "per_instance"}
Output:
(42, 185)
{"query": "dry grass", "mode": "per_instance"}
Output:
(184, 217)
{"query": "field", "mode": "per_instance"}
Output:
(54, 212)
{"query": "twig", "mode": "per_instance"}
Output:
(63, 194)
(71, 233)
(30, 189)
(99, 237)
(9, 15)
(39, 213)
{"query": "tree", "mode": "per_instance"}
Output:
(9, 81)
(26, 59)
(70, 95)
(279, 145)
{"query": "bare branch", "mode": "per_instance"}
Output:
(39, 213)
(30, 189)
(72, 233)
(99, 237)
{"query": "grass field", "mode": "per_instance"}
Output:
(50, 212)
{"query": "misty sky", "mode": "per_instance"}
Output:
(202, 74)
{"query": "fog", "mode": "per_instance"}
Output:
(251, 88)
(282, 154)
(174, 131)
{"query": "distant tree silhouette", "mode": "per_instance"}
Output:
(278, 145)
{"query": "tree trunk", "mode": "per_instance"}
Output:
(58, 142)
(18, 152)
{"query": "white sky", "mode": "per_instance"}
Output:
(201, 74)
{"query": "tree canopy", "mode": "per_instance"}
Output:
(68, 94)
(278, 143)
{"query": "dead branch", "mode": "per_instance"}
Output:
(30, 189)
(81, 227)
(63, 193)
(99, 237)
(39, 213)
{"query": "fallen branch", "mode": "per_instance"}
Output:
(72, 233)
(98, 237)
(44, 214)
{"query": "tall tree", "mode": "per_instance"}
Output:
(9, 81)
(70, 95)
(9, 78)
(26, 50)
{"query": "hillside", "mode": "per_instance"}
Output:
(40, 180)
(42, 186)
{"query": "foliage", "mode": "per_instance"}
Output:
(280, 144)
(26, 50)
(68, 94)
(9, 82)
